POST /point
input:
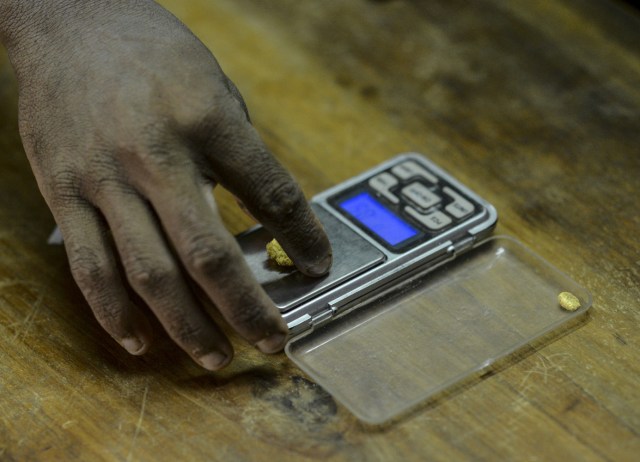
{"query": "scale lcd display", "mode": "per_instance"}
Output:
(377, 218)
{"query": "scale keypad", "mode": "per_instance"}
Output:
(419, 194)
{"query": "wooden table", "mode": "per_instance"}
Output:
(535, 105)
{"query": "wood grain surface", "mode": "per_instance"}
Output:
(534, 104)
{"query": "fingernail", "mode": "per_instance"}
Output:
(213, 361)
(320, 268)
(272, 344)
(133, 345)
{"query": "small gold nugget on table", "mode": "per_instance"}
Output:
(568, 301)
(277, 254)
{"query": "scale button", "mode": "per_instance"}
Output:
(420, 195)
(434, 221)
(410, 169)
(382, 183)
(460, 207)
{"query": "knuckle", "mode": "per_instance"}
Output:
(64, 179)
(63, 187)
(105, 180)
(249, 319)
(186, 334)
(155, 157)
(150, 276)
(208, 255)
(91, 271)
(110, 316)
(280, 199)
(181, 328)
(158, 156)
(217, 127)
(205, 124)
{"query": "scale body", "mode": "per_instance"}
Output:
(384, 225)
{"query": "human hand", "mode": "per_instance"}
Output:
(128, 121)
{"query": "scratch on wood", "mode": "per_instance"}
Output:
(69, 423)
(8, 283)
(22, 327)
(619, 338)
(139, 424)
(28, 321)
(544, 366)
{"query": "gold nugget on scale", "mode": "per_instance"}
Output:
(277, 254)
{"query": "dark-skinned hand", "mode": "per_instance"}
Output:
(128, 121)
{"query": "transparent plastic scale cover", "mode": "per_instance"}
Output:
(437, 329)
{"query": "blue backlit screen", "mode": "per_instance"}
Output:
(377, 218)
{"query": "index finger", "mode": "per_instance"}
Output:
(249, 171)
